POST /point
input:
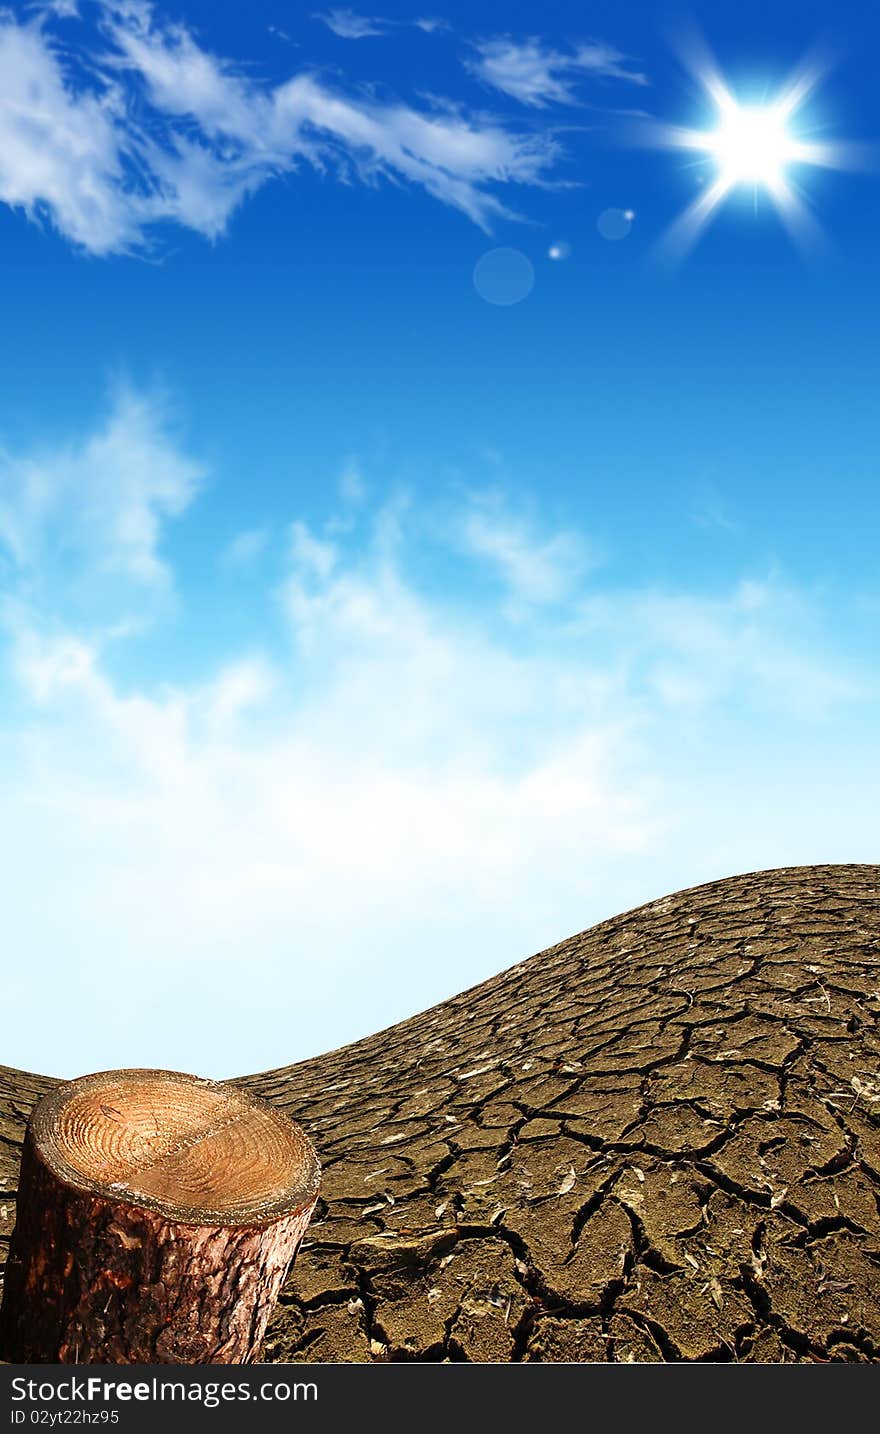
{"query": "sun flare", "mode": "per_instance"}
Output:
(757, 148)
(752, 145)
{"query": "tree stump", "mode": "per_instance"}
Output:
(158, 1215)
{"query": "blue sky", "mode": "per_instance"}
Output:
(358, 635)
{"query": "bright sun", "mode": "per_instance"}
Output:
(752, 146)
(760, 148)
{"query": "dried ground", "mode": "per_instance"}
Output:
(658, 1140)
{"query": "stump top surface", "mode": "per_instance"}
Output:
(193, 1150)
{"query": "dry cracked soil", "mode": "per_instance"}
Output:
(656, 1141)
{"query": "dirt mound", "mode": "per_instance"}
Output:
(658, 1140)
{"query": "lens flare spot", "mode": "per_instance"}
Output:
(615, 224)
(504, 276)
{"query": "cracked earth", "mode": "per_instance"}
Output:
(656, 1141)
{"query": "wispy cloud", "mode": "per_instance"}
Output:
(711, 509)
(246, 547)
(398, 765)
(349, 25)
(64, 9)
(96, 506)
(536, 568)
(156, 129)
(703, 651)
(536, 74)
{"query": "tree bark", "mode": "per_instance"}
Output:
(158, 1216)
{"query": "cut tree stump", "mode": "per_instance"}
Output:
(158, 1215)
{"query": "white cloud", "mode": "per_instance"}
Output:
(534, 567)
(352, 488)
(311, 555)
(99, 502)
(246, 547)
(63, 152)
(156, 129)
(536, 74)
(64, 9)
(760, 638)
(350, 26)
(711, 510)
(303, 838)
